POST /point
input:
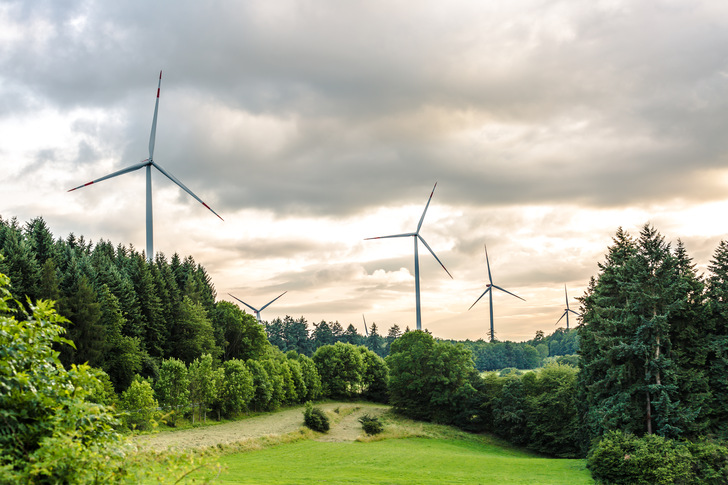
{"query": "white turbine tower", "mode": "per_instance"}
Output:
(416, 236)
(256, 310)
(489, 289)
(149, 163)
(567, 310)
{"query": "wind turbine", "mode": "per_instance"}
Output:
(566, 311)
(149, 163)
(257, 311)
(489, 289)
(416, 236)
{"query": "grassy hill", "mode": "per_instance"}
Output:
(407, 452)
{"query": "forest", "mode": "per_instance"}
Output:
(638, 388)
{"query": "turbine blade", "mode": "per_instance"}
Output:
(481, 296)
(274, 299)
(118, 172)
(567, 297)
(365, 325)
(394, 235)
(512, 294)
(562, 316)
(487, 261)
(241, 301)
(183, 187)
(153, 134)
(572, 311)
(434, 255)
(425, 211)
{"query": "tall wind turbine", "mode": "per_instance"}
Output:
(149, 163)
(489, 288)
(257, 311)
(566, 311)
(416, 236)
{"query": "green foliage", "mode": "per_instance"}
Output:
(429, 380)
(375, 377)
(625, 458)
(311, 378)
(204, 385)
(371, 424)
(635, 372)
(50, 432)
(237, 387)
(139, 405)
(263, 388)
(341, 369)
(172, 387)
(315, 418)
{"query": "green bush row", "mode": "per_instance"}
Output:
(623, 458)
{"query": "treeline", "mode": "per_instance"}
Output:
(437, 381)
(295, 334)
(127, 315)
(490, 356)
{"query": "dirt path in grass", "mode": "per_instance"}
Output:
(347, 428)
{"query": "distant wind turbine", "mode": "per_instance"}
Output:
(416, 236)
(489, 289)
(149, 163)
(566, 311)
(257, 311)
(366, 332)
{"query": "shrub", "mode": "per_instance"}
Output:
(315, 418)
(649, 460)
(140, 405)
(371, 424)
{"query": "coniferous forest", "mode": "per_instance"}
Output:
(639, 387)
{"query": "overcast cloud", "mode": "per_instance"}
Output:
(311, 125)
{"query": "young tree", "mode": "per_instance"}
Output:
(173, 387)
(237, 387)
(341, 368)
(204, 382)
(50, 432)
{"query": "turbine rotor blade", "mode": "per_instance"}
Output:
(137, 166)
(562, 316)
(487, 261)
(434, 255)
(153, 134)
(365, 325)
(481, 296)
(274, 299)
(409, 234)
(425, 211)
(183, 187)
(512, 294)
(241, 301)
(572, 311)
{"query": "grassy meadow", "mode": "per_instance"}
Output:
(407, 452)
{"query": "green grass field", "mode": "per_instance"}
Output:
(399, 461)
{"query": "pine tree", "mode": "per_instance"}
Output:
(717, 359)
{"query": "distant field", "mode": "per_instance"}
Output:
(398, 461)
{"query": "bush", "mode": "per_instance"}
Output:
(315, 418)
(624, 458)
(371, 424)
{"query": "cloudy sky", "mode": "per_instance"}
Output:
(312, 125)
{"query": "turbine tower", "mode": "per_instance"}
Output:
(566, 311)
(257, 311)
(416, 236)
(149, 163)
(489, 288)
